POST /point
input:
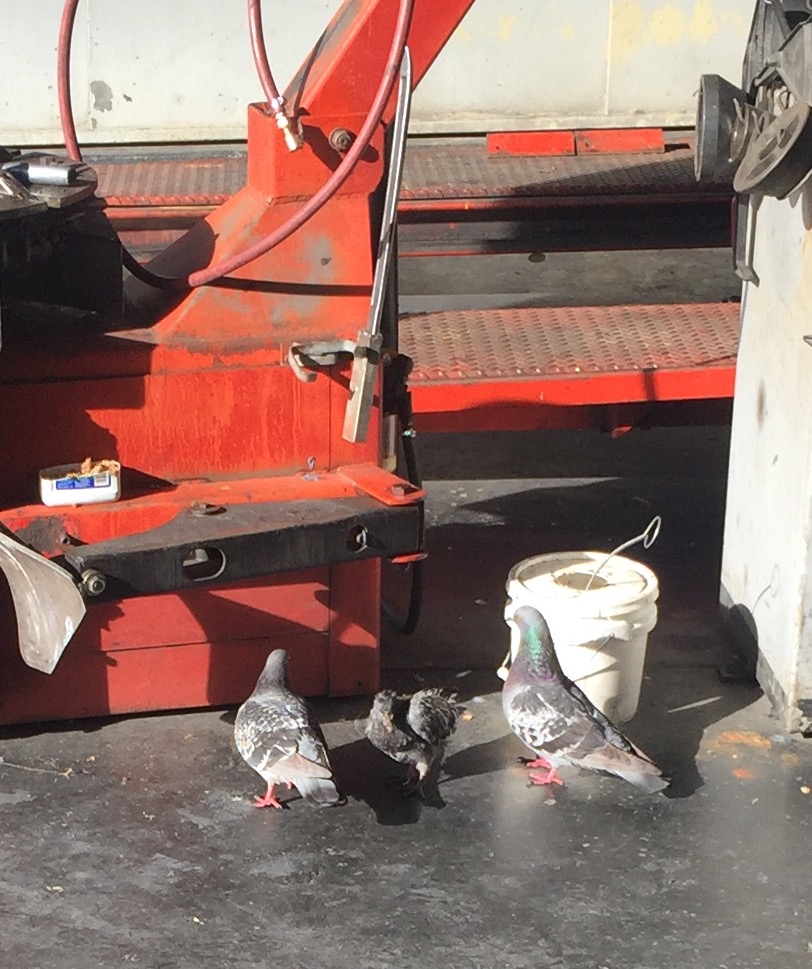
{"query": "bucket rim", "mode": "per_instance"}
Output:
(568, 558)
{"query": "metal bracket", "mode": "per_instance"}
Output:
(745, 211)
(247, 541)
(305, 359)
(365, 361)
(772, 25)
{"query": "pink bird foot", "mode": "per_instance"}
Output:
(551, 777)
(268, 800)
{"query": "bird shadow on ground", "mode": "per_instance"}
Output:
(365, 774)
(484, 758)
(671, 729)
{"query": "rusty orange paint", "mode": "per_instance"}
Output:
(744, 738)
(457, 404)
(380, 484)
(531, 143)
(619, 141)
(195, 649)
(355, 628)
(353, 51)
(144, 508)
(409, 559)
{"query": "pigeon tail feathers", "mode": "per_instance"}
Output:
(650, 783)
(319, 790)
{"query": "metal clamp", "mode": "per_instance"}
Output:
(305, 359)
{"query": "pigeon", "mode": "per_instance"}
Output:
(413, 730)
(554, 718)
(280, 738)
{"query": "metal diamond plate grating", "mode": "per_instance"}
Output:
(439, 171)
(208, 181)
(466, 345)
(432, 171)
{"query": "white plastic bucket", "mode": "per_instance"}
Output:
(600, 632)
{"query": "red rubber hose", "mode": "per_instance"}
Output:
(339, 176)
(63, 79)
(232, 263)
(260, 52)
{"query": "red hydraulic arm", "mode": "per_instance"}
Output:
(192, 392)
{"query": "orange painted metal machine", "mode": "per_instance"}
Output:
(254, 378)
(244, 382)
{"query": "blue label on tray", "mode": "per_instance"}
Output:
(86, 481)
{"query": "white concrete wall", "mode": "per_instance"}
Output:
(767, 558)
(154, 70)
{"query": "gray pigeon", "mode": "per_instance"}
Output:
(553, 717)
(413, 730)
(280, 738)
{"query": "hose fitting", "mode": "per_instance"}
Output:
(291, 130)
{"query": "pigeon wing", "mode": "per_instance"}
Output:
(389, 732)
(535, 715)
(611, 733)
(560, 724)
(276, 736)
(433, 715)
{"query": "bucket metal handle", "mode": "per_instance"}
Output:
(648, 537)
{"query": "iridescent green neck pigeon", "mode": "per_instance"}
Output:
(553, 717)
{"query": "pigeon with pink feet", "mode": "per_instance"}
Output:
(553, 717)
(277, 735)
